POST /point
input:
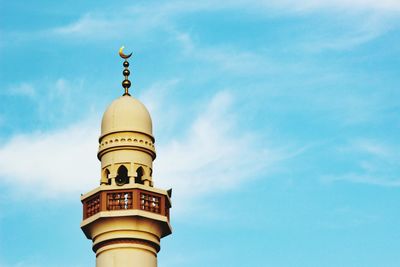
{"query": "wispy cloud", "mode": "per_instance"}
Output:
(85, 25)
(166, 115)
(22, 89)
(374, 148)
(145, 18)
(350, 32)
(90, 26)
(355, 5)
(345, 218)
(53, 164)
(364, 179)
(47, 101)
(214, 154)
(374, 162)
(227, 58)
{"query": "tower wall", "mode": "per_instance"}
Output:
(126, 255)
(124, 241)
(131, 149)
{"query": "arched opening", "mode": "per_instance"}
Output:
(139, 175)
(122, 175)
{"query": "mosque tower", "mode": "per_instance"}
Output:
(126, 216)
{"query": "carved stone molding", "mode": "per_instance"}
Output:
(138, 241)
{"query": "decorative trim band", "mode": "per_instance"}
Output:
(126, 240)
(150, 151)
(125, 131)
(127, 140)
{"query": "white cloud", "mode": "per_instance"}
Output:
(53, 164)
(374, 163)
(373, 148)
(53, 100)
(354, 5)
(345, 217)
(89, 26)
(215, 154)
(347, 41)
(149, 17)
(138, 23)
(227, 58)
(24, 89)
(304, 6)
(363, 179)
(165, 114)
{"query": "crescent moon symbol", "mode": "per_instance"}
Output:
(121, 53)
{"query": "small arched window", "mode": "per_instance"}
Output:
(122, 176)
(139, 175)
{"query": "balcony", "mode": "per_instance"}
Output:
(126, 199)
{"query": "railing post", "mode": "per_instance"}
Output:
(138, 200)
(84, 209)
(103, 201)
(162, 205)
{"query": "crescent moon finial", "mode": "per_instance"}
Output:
(125, 83)
(121, 53)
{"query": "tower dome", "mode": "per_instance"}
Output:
(126, 140)
(126, 114)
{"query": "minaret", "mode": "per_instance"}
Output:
(126, 216)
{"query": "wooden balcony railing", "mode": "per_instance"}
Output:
(126, 200)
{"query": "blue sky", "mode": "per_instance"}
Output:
(276, 124)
